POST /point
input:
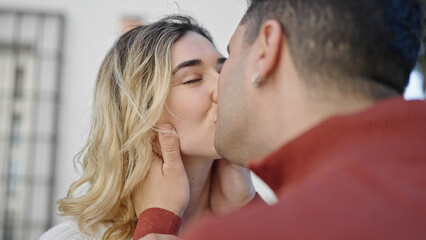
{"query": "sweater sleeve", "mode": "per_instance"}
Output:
(157, 220)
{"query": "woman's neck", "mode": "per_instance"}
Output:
(199, 176)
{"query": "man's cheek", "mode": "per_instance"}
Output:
(221, 83)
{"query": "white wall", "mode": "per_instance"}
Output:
(91, 28)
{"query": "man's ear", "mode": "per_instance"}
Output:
(270, 41)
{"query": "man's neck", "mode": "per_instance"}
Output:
(199, 176)
(302, 109)
(311, 112)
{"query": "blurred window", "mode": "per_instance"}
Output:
(30, 64)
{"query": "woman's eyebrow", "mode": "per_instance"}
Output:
(188, 63)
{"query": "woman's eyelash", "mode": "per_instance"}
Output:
(192, 81)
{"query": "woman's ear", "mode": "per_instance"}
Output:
(269, 42)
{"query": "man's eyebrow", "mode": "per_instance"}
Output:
(188, 63)
(227, 49)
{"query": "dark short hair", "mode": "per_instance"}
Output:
(356, 42)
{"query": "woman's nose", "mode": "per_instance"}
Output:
(214, 86)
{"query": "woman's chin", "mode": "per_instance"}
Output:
(207, 156)
(205, 153)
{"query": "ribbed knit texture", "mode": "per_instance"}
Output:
(157, 220)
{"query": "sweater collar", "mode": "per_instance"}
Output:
(302, 156)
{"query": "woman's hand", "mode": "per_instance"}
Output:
(231, 188)
(166, 184)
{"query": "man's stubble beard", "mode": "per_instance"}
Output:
(231, 128)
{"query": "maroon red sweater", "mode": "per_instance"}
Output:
(361, 176)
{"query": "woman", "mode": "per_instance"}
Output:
(161, 73)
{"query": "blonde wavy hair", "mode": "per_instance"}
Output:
(130, 94)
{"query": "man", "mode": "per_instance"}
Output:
(312, 92)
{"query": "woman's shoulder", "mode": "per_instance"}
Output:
(68, 231)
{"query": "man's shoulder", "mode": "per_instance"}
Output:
(255, 222)
(336, 205)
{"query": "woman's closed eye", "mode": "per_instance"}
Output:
(193, 81)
